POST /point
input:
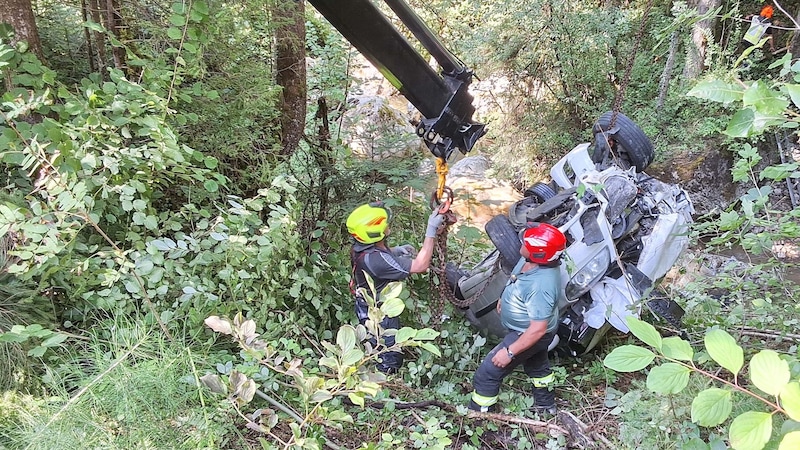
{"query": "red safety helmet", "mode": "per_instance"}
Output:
(543, 241)
(767, 11)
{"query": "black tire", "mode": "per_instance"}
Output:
(506, 239)
(632, 146)
(533, 197)
(540, 191)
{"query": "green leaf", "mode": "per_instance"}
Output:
(404, 334)
(37, 352)
(750, 431)
(369, 388)
(676, 348)
(717, 91)
(201, 7)
(211, 185)
(392, 290)
(320, 396)
(151, 222)
(629, 358)
(724, 350)
(794, 93)
(177, 20)
(352, 356)
(54, 340)
(327, 361)
(741, 123)
(791, 441)
(174, 33)
(346, 338)
(711, 407)
(426, 334)
(645, 332)
(431, 348)
(668, 378)
(778, 172)
(790, 400)
(694, 444)
(392, 307)
(357, 398)
(769, 372)
(765, 100)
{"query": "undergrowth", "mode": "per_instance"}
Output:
(124, 387)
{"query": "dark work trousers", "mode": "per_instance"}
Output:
(390, 361)
(534, 361)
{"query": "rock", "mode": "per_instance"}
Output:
(706, 176)
(479, 199)
(378, 130)
(470, 166)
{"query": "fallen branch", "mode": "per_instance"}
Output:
(582, 429)
(534, 424)
(750, 331)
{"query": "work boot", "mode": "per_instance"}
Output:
(550, 410)
(544, 401)
(484, 409)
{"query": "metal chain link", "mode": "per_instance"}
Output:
(440, 272)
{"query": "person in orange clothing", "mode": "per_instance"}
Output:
(761, 26)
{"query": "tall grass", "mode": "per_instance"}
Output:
(125, 388)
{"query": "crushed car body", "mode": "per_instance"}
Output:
(625, 230)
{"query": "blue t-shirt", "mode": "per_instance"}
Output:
(532, 295)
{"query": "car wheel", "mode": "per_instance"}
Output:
(505, 239)
(633, 147)
(534, 196)
(541, 192)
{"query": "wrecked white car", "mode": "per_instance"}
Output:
(624, 231)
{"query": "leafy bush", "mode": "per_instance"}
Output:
(342, 371)
(774, 376)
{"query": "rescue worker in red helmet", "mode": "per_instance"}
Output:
(528, 308)
(369, 226)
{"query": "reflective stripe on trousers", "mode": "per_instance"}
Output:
(488, 378)
(544, 381)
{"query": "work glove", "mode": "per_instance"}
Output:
(434, 222)
(404, 250)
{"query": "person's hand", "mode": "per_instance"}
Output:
(501, 358)
(434, 222)
(405, 250)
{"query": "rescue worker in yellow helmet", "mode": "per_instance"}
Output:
(369, 226)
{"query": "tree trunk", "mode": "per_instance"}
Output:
(666, 75)
(290, 69)
(88, 37)
(794, 43)
(701, 32)
(99, 39)
(19, 14)
(114, 25)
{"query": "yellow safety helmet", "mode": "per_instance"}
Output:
(368, 223)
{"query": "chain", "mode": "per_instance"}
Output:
(627, 77)
(439, 269)
(439, 259)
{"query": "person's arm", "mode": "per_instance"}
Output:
(422, 261)
(526, 340)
